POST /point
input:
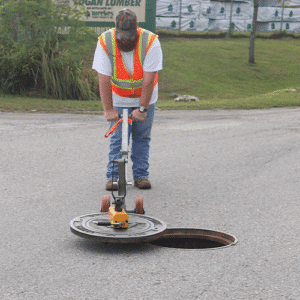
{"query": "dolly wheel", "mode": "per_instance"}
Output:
(105, 204)
(139, 206)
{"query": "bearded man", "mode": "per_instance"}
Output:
(127, 59)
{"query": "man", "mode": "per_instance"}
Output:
(127, 59)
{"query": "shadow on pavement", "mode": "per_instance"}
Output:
(94, 246)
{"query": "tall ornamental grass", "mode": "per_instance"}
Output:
(34, 55)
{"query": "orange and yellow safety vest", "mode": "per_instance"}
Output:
(124, 83)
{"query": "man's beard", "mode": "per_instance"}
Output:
(127, 46)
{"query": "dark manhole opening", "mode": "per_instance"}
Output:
(194, 239)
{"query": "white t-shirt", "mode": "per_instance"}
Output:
(152, 63)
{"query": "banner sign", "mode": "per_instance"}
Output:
(106, 10)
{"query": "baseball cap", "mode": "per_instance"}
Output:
(126, 24)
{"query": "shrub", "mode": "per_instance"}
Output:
(33, 55)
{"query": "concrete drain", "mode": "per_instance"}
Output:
(185, 238)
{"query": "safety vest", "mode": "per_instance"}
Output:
(124, 83)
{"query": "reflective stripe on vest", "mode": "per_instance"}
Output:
(123, 83)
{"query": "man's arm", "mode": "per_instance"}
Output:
(147, 90)
(106, 96)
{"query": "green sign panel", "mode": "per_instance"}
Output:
(102, 13)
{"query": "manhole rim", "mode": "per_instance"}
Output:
(213, 235)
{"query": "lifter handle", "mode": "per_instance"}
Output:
(110, 131)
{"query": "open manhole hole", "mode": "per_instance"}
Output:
(184, 238)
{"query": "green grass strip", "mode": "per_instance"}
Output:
(214, 70)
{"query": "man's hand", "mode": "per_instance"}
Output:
(138, 116)
(111, 115)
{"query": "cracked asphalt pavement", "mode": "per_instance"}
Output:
(232, 171)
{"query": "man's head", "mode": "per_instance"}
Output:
(126, 30)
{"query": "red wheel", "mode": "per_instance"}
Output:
(139, 205)
(105, 204)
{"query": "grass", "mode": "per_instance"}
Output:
(25, 104)
(280, 98)
(216, 70)
(218, 73)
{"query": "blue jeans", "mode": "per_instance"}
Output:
(141, 136)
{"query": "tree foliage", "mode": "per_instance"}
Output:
(34, 54)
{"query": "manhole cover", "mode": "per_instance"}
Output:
(194, 239)
(141, 229)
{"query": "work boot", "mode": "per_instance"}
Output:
(110, 186)
(143, 183)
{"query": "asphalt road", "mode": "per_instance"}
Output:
(231, 171)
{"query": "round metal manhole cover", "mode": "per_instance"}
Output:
(141, 229)
(190, 238)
